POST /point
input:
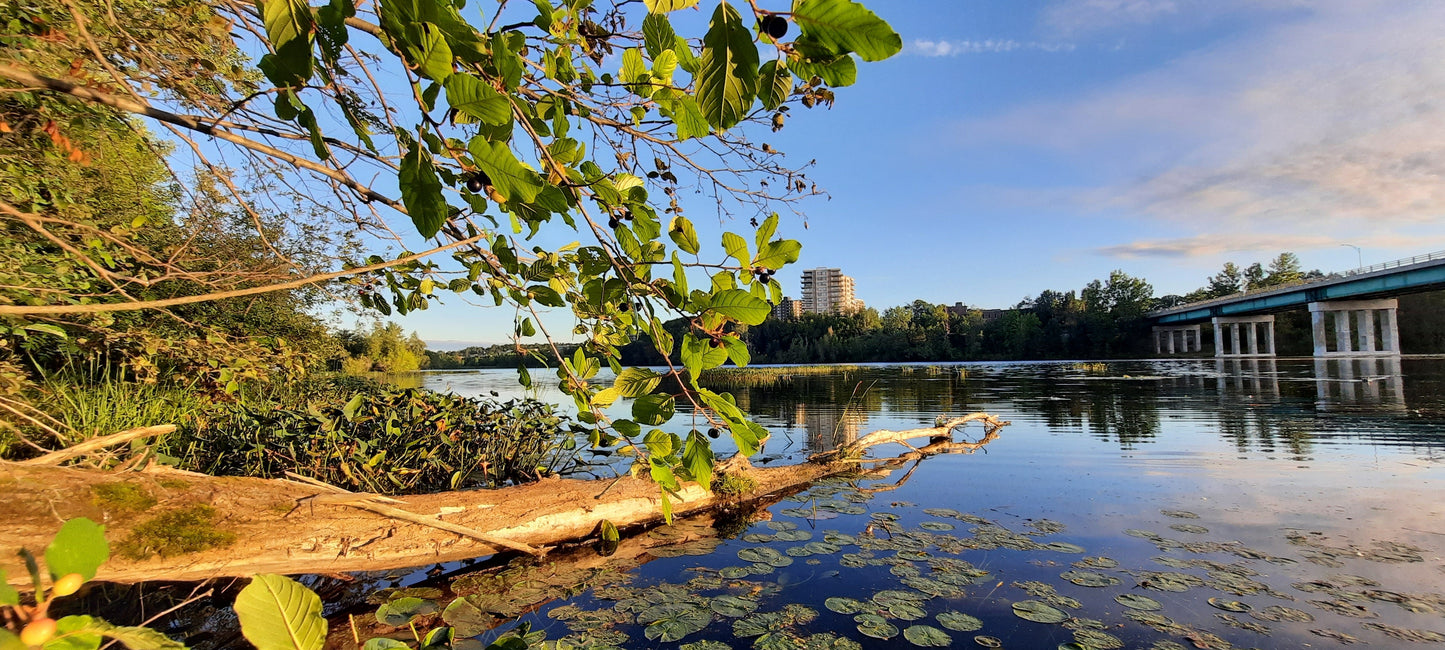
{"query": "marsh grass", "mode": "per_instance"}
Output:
(770, 376)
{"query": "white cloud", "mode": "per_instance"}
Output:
(924, 47)
(1082, 17)
(1333, 122)
(1214, 245)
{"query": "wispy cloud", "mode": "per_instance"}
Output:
(1084, 17)
(1333, 122)
(924, 47)
(1215, 245)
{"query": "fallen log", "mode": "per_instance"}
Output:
(286, 526)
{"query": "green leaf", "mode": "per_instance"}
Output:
(727, 76)
(9, 641)
(662, 474)
(683, 234)
(46, 328)
(697, 458)
(766, 230)
(79, 547)
(740, 305)
(737, 351)
(278, 613)
(421, 192)
(634, 72)
(665, 6)
(838, 72)
(74, 633)
(635, 382)
(775, 254)
(775, 84)
(8, 595)
(846, 26)
(654, 409)
(737, 248)
(699, 355)
(683, 110)
(428, 52)
(288, 27)
(476, 99)
(354, 404)
(657, 34)
(137, 638)
(609, 532)
(383, 643)
(514, 181)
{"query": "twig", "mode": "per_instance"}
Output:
(94, 444)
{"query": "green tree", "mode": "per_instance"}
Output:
(494, 133)
(1284, 269)
(1228, 281)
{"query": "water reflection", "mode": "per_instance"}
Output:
(1377, 382)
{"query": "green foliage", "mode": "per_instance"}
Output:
(278, 613)
(79, 547)
(379, 440)
(176, 532)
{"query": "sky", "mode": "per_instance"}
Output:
(1016, 146)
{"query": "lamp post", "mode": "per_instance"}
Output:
(1359, 259)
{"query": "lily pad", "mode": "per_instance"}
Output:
(759, 624)
(1228, 605)
(988, 641)
(466, 618)
(1179, 514)
(906, 611)
(1064, 547)
(400, 611)
(1096, 640)
(793, 536)
(1135, 601)
(935, 526)
(875, 626)
(1189, 528)
(941, 512)
(926, 636)
(1277, 613)
(959, 622)
(843, 605)
(673, 622)
(1089, 579)
(1097, 562)
(1039, 612)
(732, 606)
(764, 555)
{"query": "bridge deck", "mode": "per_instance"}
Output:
(1409, 275)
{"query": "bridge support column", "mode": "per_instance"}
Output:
(1176, 339)
(1253, 346)
(1369, 316)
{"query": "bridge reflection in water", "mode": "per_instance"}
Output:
(1360, 382)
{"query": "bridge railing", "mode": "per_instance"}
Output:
(1405, 261)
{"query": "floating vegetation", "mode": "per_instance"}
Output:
(1038, 612)
(1089, 579)
(1228, 605)
(769, 376)
(959, 622)
(1179, 514)
(1096, 640)
(927, 636)
(1189, 528)
(875, 626)
(1096, 562)
(988, 641)
(1403, 634)
(1138, 602)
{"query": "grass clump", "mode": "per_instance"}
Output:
(121, 497)
(769, 376)
(176, 532)
(734, 485)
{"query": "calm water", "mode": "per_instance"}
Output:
(1242, 497)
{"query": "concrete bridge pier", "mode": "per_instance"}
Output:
(1355, 324)
(1165, 336)
(1255, 344)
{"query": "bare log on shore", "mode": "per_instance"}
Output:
(290, 526)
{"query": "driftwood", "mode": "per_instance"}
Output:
(286, 526)
(100, 442)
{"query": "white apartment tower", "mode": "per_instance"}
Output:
(828, 291)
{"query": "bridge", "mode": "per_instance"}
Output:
(1355, 310)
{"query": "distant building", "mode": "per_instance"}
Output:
(828, 291)
(988, 315)
(787, 309)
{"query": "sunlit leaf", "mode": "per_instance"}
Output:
(278, 613)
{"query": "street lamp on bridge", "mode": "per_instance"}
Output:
(1359, 259)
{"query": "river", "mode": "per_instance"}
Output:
(1256, 503)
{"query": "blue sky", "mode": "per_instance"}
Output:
(1016, 146)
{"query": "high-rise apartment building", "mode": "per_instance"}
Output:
(828, 291)
(787, 309)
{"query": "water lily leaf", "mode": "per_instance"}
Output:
(793, 536)
(936, 525)
(875, 626)
(906, 611)
(759, 624)
(1038, 612)
(1063, 547)
(732, 606)
(926, 636)
(1089, 579)
(734, 572)
(1229, 605)
(1097, 562)
(1135, 601)
(959, 622)
(1278, 613)
(467, 618)
(1095, 639)
(1189, 528)
(1179, 514)
(381, 596)
(764, 555)
(843, 605)
(674, 621)
(988, 641)
(941, 512)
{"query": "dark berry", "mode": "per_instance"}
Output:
(713, 432)
(775, 26)
(627, 214)
(474, 184)
(613, 222)
(626, 306)
(715, 343)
